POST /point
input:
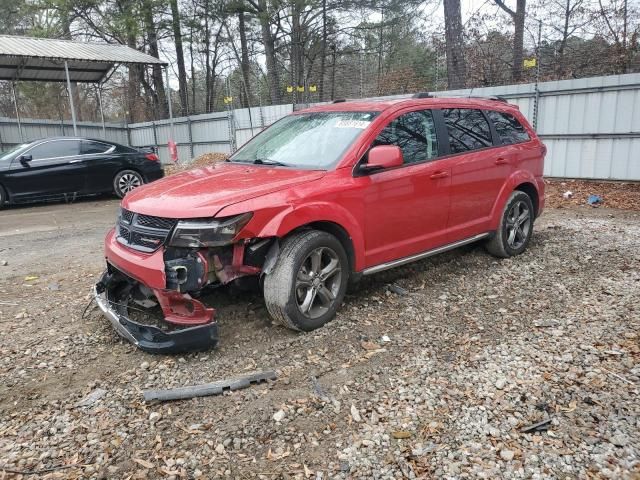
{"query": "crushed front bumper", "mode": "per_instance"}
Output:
(152, 339)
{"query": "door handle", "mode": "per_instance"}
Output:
(437, 175)
(501, 161)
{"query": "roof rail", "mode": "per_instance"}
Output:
(339, 100)
(495, 98)
(422, 95)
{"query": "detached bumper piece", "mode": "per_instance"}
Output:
(147, 337)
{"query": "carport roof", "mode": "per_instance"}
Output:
(42, 59)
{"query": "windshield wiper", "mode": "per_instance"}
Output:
(266, 161)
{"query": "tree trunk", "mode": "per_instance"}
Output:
(273, 77)
(182, 72)
(518, 41)
(297, 50)
(518, 36)
(193, 72)
(323, 57)
(245, 67)
(456, 67)
(152, 38)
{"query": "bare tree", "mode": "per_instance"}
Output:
(456, 66)
(518, 35)
(182, 72)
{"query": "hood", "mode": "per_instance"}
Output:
(203, 192)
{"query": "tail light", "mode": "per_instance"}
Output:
(152, 156)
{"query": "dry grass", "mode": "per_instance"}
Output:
(622, 195)
(201, 161)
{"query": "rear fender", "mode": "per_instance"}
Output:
(517, 178)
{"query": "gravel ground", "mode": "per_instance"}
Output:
(436, 380)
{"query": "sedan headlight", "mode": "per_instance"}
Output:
(208, 233)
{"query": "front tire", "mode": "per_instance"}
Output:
(308, 282)
(3, 197)
(125, 181)
(516, 227)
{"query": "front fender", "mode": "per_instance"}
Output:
(517, 178)
(279, 221)
(292, 218)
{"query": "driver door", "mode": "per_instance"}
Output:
(55, 169)
(406, 209)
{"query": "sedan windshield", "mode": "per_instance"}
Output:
(308, 140)
(5, 155)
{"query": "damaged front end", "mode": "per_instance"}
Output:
(162, 266)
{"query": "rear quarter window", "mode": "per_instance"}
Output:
(509, 129)
(468, 130)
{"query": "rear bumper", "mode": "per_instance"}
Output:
(149, 338)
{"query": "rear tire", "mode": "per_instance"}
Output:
(126, 181)
(309, 280)
(3, 197)
(515, 229)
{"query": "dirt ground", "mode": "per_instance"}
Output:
(437, 381)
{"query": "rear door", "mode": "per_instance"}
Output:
(406, 208)
(55, 170)
(478, 171)
(102, 163)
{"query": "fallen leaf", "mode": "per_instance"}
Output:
(143, 463)
(370, 345)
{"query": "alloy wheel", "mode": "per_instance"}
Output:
(128, 182)
(518, 224)
(318, 282)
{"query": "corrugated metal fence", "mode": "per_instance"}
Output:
(591, 126)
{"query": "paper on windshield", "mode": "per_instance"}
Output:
(362, 124)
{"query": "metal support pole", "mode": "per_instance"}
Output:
(166, 74)
(15, 104)
(536, 101)
(104, 129)
(73, 108)
(190, 136)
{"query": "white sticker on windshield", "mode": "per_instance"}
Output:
(362, 124)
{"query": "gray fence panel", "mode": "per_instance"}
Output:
(36, 129)
(591, 126)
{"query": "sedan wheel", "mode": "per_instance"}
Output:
(126, 181)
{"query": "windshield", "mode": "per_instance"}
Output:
(308, 140)
(5, 155)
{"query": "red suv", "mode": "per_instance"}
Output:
(323, 196)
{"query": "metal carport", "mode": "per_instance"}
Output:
(52, 60)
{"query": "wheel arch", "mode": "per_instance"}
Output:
(521, 180)
(337, 231)
(324, 216)
(530, 189)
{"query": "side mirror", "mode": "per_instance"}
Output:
(25, 159)
(383, 156)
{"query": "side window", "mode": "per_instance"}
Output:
(57, 148)
(468, 130)
(414, 133)
(509, 129)
(89, 147)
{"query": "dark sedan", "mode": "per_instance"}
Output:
(66, 168)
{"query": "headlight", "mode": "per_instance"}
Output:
(208, 233)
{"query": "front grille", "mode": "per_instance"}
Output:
(145, 233)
